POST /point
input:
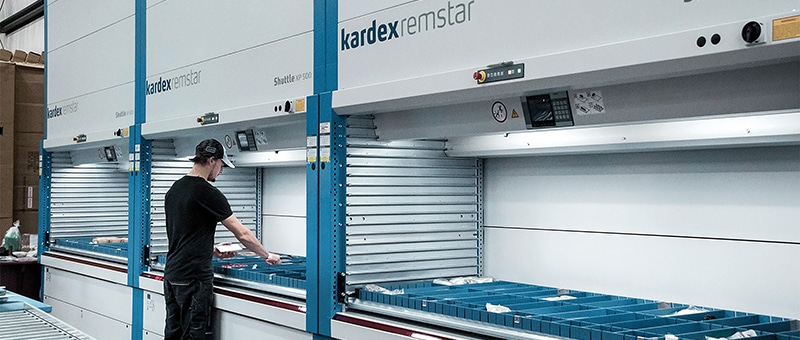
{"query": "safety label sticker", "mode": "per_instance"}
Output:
(588, 103)
(786, 28)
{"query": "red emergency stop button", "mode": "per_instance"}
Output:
(480, 76)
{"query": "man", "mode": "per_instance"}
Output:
(193, 208)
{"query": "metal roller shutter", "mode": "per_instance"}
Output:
(87, 200)
(242, 187)
(412, 212)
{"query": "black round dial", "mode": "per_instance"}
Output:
(751, 32)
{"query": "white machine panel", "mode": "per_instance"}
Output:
(68, 20)
(94, 306)
(90, 71)
(155, 312)
(234, 326)
(102, 271)
(96, 325)
(352, 9)
(148, 335)
(264, 311)
(421, 48)
(242, 71)
(359, 326)
(263, 308)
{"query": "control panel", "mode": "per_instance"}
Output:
(208, 118)
(547, 110)
(79, 138)
(499, 72)
(246, 140)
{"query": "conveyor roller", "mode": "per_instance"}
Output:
(32, 323)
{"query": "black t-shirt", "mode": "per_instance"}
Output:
(193, 208)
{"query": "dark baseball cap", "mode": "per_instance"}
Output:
(213, 148)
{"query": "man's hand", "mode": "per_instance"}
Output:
(273, 258)
(224, 254)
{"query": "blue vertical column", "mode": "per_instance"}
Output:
(332, 193)
(312, 174)
(312, 215)
(45, 186)
(140, 151)
(45, 175)
(325, 180)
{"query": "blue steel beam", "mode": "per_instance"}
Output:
(45, 182)
(139, 176)
(324, 179)
(332, 203)
(312, 216)
(45, 175)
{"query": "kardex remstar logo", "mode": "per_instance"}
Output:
(440, 18)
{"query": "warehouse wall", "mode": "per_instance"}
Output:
(709, 227)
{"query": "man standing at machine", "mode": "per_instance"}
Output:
(193, 208)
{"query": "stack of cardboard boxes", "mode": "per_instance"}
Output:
(21, 130)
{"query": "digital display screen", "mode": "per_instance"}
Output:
(243, 140)
(547, 110)
(111, 154)
(246, 140)
(541, 111)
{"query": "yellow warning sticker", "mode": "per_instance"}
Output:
(311, 155)
(325, 155)
(300, 105)
(514, 113)
(786, 28)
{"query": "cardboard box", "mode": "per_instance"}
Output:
(6, 164)
(26, 197)
(28, 221)
(33, 58)
(7, 116)
(6, 189)
(29, 119)
(19, 56)
(21, 130)
(5, 55)
(5, 223)
(29, 99)
(26, 158)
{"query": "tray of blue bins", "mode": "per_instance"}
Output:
(290, 273)
(100, 245)
(577, 314)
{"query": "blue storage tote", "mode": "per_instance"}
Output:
(745, 319)
(587, 316)
(719, 331)
(793, 335)
(776, 326)
(655, 306)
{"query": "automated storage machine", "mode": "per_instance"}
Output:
(486, 169)
(109, 167)
(227, 90)
(85, 168)
(609, 170)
